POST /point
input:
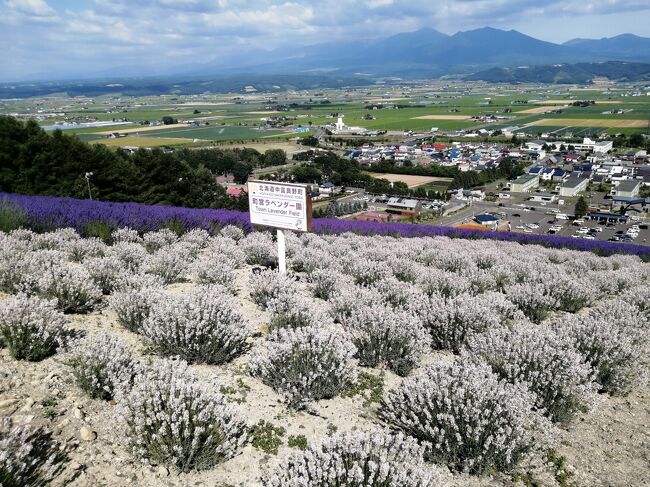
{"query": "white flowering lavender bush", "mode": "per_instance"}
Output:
(468, 418)
(365, 271)
(105, 272)
(305, 364)
(79, 250)
(73, 288)
(101, 364)
(615, 351)
(56, 240)
(541, 360)
(383, 335)
(133, 305)
(227, 250)
(28, 456)
(451, 321)
(168, 263)
(154, 241)
(268, 285)
(204, 325)
(442, 283)
(396, 293)
(295, 312)
(536, 301)
(30, 327)
(573, 293)
(372, 459)
(233, 232)
(347, 298)
(125, 234)
(211, 269)
(259, 249)
(324, 283)
(132, 255)
(174, 419)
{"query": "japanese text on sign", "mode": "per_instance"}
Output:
(279, 205)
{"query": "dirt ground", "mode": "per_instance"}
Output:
(608, 447)
(589, 122)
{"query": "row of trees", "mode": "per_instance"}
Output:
(34, 162)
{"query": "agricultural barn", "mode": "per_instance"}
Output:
(404, 206)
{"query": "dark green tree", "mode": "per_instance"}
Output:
(581, 207)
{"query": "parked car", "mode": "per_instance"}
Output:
(516, 214)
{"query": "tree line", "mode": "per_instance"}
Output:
(35, 162)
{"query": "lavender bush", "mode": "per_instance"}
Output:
(373, 459)
(451, 321)
(212, 270)
(72, 287)
(154, 241)
(101, 364)
(259, 249)
(133, 306)
(324, 283)
(79, 250)
(615, 351)
(305, 364)
(268, 285)
(201, 326)
(174, 419)
(28, 456)
(468, 418)
(383, 335)
(131, 255)
(295, 312)
(233, 232)
(541, 360)
(31, 328)
(105, 272)
(169, 264)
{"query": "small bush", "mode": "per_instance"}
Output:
(30, 327)
(295, 312)
(154, 241)
(133, 305)
(28, 456)
(544, 362)
(266, 437)
(80, 250)
(173, 419)
(211, 270)
(226, 250)
(125, 235)
(305, 364)
(100, 230)
(167, 263)
(132, 255)
(101, 364)
(469, 419)
(12, 217)
(384, 335)
(451, 321)
(535, 301)
(72, 287)
(105, 272)
(373, 459)
(201, 326)
(268, 285)
(615, 351)
(366, 272)
(259, 249)
(233, 232)
(324, 283)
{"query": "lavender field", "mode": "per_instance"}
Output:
(166, 359)
(45, 213)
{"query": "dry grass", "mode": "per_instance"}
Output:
(411, 181)
(142, 141)
(536, 110)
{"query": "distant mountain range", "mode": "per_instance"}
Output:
(580, 73)
(487, 54)
(427, 52)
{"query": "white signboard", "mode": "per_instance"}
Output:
(280, 205)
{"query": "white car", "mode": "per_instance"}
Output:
(556, 228)
(582, 231)
(580, 221)
(520, 227)
(527, 230)
(532, 225)
(589, 237)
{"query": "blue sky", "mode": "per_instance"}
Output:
(65, 38)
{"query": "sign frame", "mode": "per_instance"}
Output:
(306, 202)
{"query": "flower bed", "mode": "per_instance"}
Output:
(48, 213)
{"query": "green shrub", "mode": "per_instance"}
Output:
(11, 217)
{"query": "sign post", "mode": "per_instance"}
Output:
(283, 206)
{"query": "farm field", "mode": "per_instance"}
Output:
(338, 351)
(447, 106)
(136, 141)
(411, 181)
(590, 122)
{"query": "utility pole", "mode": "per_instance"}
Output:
(87, 176)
